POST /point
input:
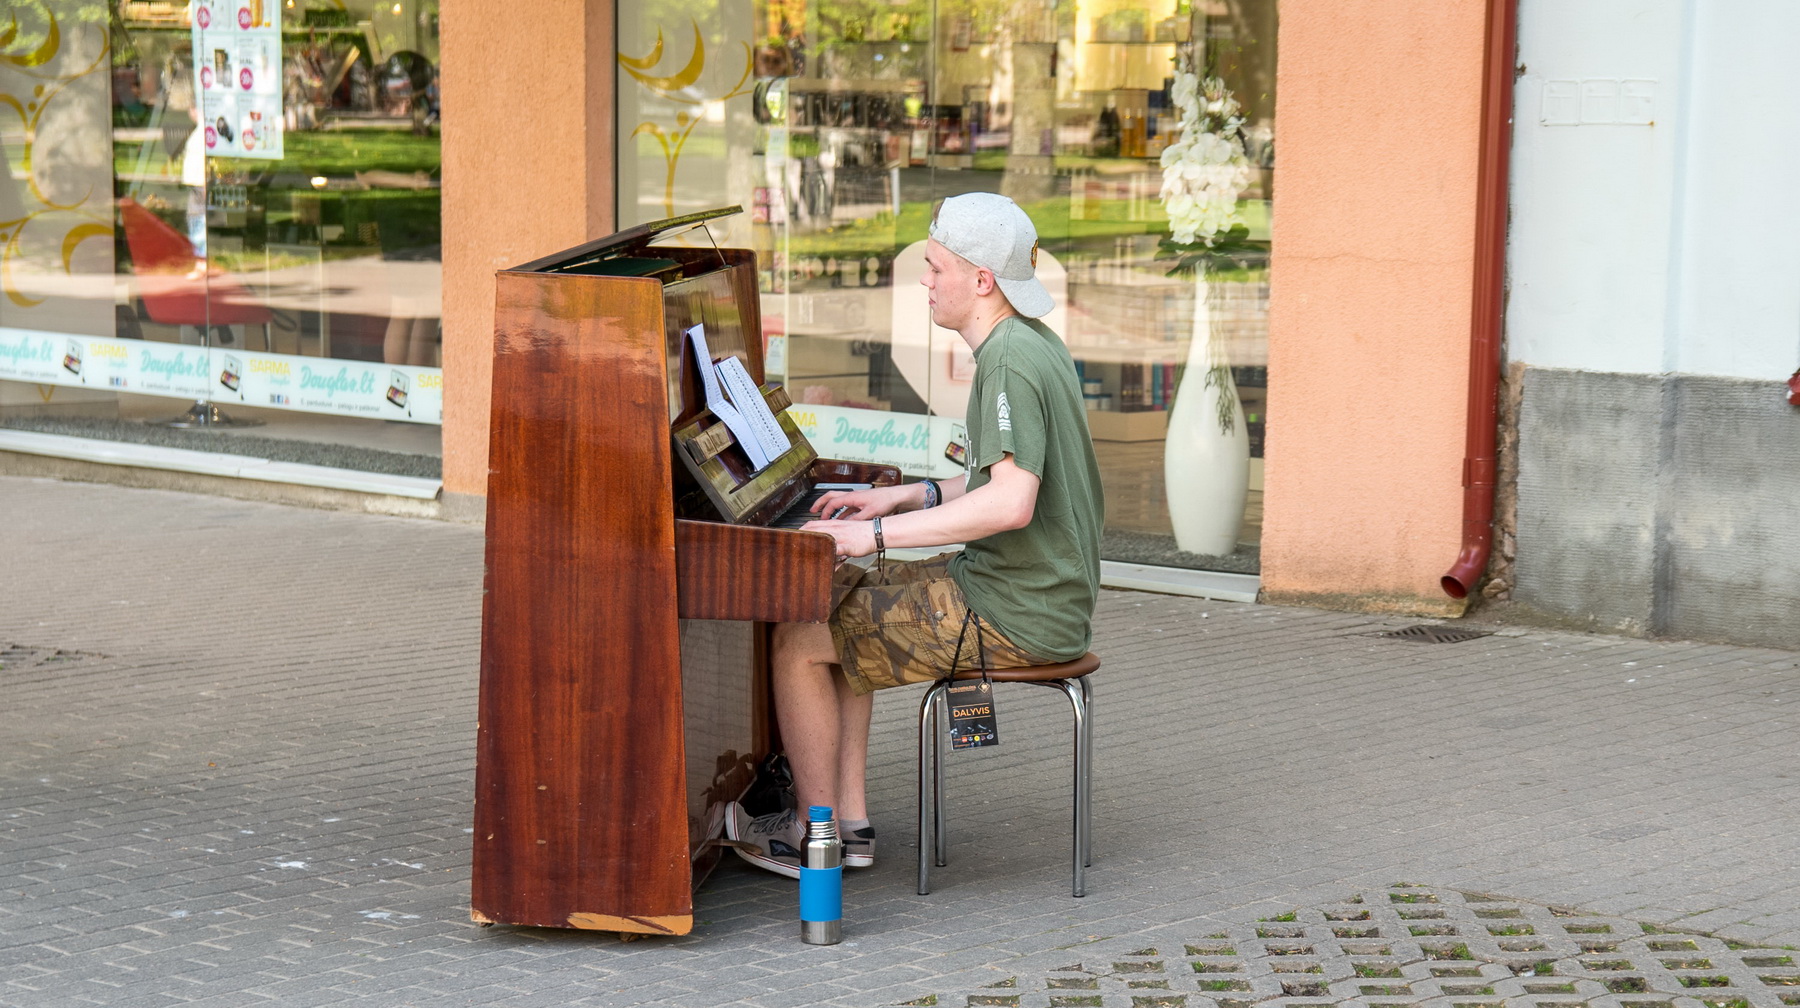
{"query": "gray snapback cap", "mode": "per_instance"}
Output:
(991, 231)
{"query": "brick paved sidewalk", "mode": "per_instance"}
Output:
(237, 769)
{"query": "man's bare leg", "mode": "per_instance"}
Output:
(854, 713)
(824, 727)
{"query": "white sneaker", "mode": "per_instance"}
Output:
(772, 841)
(859, 848)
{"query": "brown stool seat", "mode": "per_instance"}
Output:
(1072, 669)
(1071, 677)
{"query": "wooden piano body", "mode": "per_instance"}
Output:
(624, 691)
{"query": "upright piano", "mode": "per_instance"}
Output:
(634, 562)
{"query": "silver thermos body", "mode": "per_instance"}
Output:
(821, 880)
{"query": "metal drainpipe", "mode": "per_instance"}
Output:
(1490, 276)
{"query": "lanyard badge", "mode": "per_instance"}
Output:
(974, 720)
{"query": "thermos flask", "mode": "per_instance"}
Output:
(821, 880)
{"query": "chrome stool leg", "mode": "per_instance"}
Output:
(1087, 802)
(940, 823)
(930, 771)
(1075, 691)
(1080, 694)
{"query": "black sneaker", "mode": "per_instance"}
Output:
(859, 848)
(771, 841)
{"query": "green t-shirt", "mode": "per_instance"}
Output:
(1036, 584)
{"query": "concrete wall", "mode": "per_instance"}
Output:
(1665, 505)
(528, 169)
(1369, 314)
(1589, 454)
(1655, 307)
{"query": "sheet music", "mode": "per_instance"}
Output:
(749, 400)
(739, 404)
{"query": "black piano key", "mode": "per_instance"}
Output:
(800, 512)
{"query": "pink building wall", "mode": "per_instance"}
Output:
(541, 181)
(1378, 124)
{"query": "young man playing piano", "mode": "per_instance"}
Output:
(1029, 511)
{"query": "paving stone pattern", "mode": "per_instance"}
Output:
(1411, 946)
(237, 764)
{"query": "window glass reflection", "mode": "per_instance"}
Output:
(1138, 134)
(300, 293)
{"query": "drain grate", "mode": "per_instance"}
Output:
(1431, 633)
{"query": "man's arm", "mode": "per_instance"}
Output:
(1007, 501)
(879, 502)
(949, 490)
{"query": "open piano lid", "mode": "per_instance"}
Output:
(621, 245)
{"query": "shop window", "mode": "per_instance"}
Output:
(227, 215)
(1138, 134)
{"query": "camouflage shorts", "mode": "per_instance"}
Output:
(900, 622)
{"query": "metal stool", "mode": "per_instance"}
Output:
(934, 711)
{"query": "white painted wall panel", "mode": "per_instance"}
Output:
(1589, 246)
(1738, 256)
(1656, 188)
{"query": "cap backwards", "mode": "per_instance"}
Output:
(991, 231)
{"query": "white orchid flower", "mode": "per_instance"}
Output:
(1205, 168)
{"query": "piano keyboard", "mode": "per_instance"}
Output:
(800, 512)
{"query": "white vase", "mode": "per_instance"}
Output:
(1206, 468)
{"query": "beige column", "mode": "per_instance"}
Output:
(1378, 113)
(528, 170)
